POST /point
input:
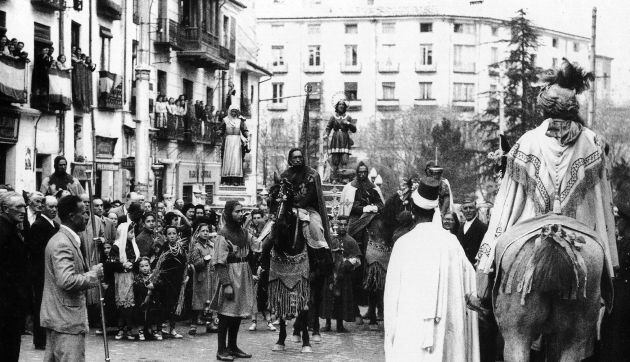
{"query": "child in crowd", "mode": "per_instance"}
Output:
(204, 279)
(109, 266)
(160, 112)
(147, 307)
(125, 250)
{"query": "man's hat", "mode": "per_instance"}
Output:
(426, 196)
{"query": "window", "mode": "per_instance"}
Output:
(388, 129)
(494, 55)
(277, 29)
(188, 88)
(554, 42)
(277, 53)
(389, 28)
(134, 53)
(277, 89)
(463, 92)
(576, 47)
(351, 55)
(314, 55)
(426, 54)
(226, 31)
(389, 51)
(389, 90)
(75, 34)
(209, 194)
(494, 30)
(350, 91)
(352, 28)
(463, 58)
(464, 28)
(210, 97)
(106, 41)
(554, 62)
(370, 2)
(314, 28)
(425, 90)
(426, 27)
(161, 82)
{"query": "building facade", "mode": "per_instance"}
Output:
(141, 50)
(386, 58)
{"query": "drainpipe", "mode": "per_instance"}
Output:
(258, 125)
(34, 161)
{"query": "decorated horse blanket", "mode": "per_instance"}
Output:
(289, 287)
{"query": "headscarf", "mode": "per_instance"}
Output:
(233, 230)
(233, 121)
(121, 243)
(60, 179)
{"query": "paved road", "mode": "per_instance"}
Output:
(360, 344)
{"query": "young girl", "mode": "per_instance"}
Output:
(125, 251)
(110, 264)
(204, 279)
(160, 112)
(147, 308)
(170, 269)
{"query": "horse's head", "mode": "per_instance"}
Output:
(281, 196)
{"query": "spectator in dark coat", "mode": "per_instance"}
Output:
(42, 230)
(472, 231)
(15, 290)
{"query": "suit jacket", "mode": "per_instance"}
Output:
(66, 279)
(471, 240)
(41, 232)
(15, 288)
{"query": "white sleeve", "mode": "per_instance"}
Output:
(391, 295)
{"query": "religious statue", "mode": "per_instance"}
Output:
(340, 142)
(235, 145)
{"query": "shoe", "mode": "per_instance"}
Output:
(252, 327)
(98, 332)
(157, 336)
(130, 336)
(238, 353)
(176, 335)
(307, 349)
(359, 321)
(278, 348)
(296, 339)
(316, 338)
(211, 328)
(327, 328)
(224, 356)
(192, 331)
(119, 335)
(141, 335)
(270, 327)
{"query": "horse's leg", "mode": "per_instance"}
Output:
(303, 327)
(282, 336)
(519, 324)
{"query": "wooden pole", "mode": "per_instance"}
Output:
(591, 114)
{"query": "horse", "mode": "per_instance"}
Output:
(551, 276)
(289, 288)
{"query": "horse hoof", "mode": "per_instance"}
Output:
(278, 348)
(307, 349)
(296, 339)
(316, 338)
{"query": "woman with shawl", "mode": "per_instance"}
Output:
(204, 280)
(340, 142)
(126, 251)
(234, 295)
(235, 140)
(61, 180)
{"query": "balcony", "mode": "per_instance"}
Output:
(388, 67)
(314, 69)
(280, 106)
(109, 91)
(50, 4)
(350, 68)
(424, 102)
(110, 9)
(277, 68)
(168, 34)
(12, 84)
(354, 105)
(187, 130)
(202, 49)
(464, 106)
(493, 72)
(425, 68)
(468, 68)
(246, 107)
(387, 104)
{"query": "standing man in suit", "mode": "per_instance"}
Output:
(99, 213)
(15, 290)
(123, 209)
(42, 231)
(63, 310)
(472, 231)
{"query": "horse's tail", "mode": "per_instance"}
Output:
(554, 267)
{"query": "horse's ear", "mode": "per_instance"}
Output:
(276, 179)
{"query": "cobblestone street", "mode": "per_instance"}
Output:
(360, 344)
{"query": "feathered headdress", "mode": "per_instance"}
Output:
(569, 76)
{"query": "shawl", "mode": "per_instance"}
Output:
(121, 243)
(348, 193)
(232, 230)
(307, 173)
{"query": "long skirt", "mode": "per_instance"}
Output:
(124, 289)
(243, 286)
(204, 284)
(232, 157)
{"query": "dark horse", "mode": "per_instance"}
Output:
(289, 288)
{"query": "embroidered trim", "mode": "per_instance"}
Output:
(519, 173)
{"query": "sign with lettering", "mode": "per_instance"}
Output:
(105, 147)
(194, 174)
(100, 166)
(128, 163)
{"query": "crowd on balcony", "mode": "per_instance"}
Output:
(182, 116)
(13, 49)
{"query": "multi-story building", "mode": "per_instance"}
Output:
(385, 57)
(141, 50)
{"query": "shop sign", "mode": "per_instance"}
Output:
(9, 126)
(100, 166)
(105, 147)
(128, 163)
(197, 174)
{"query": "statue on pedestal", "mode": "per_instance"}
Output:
(339, 143)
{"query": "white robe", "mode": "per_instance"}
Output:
(424, 306)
